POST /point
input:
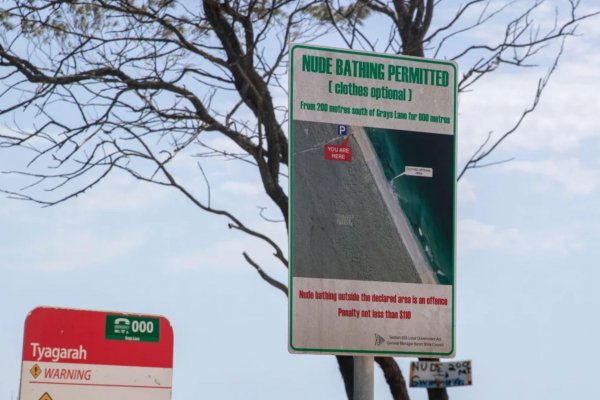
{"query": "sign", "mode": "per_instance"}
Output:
(419, 171)
(76, 354)
(139, 329)
(342, 130)
(372, 203)
(431, 374)
(339, 153)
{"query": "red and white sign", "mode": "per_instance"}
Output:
(339, 153)
(75, 355)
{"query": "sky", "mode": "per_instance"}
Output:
(528, 237)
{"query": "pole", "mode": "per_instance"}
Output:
(363, 378)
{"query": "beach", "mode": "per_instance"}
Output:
(420, 262)
(347, 223)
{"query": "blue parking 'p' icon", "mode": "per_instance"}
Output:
(342, 130)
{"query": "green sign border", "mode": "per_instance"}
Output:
(291, 202)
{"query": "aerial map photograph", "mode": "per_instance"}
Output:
(403, 222)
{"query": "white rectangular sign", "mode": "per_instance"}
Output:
(372, 227)
(432, 374)
(419, 171)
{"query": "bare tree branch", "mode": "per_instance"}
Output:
(484, 151)
(273, 282)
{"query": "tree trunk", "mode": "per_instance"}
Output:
(435, 394)
(346, 364)
(391, 372)
(394, 378)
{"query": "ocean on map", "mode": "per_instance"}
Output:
(427, 202)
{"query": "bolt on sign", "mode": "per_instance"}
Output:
(372, 203)
(434, 374)
(95, 355)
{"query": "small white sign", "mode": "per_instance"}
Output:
(433, 374)
(419, 171)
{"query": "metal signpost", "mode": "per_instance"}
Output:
(76, 354)
(372, 203)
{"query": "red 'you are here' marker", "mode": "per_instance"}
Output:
(339, 153)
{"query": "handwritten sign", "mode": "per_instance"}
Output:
(432, 374)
